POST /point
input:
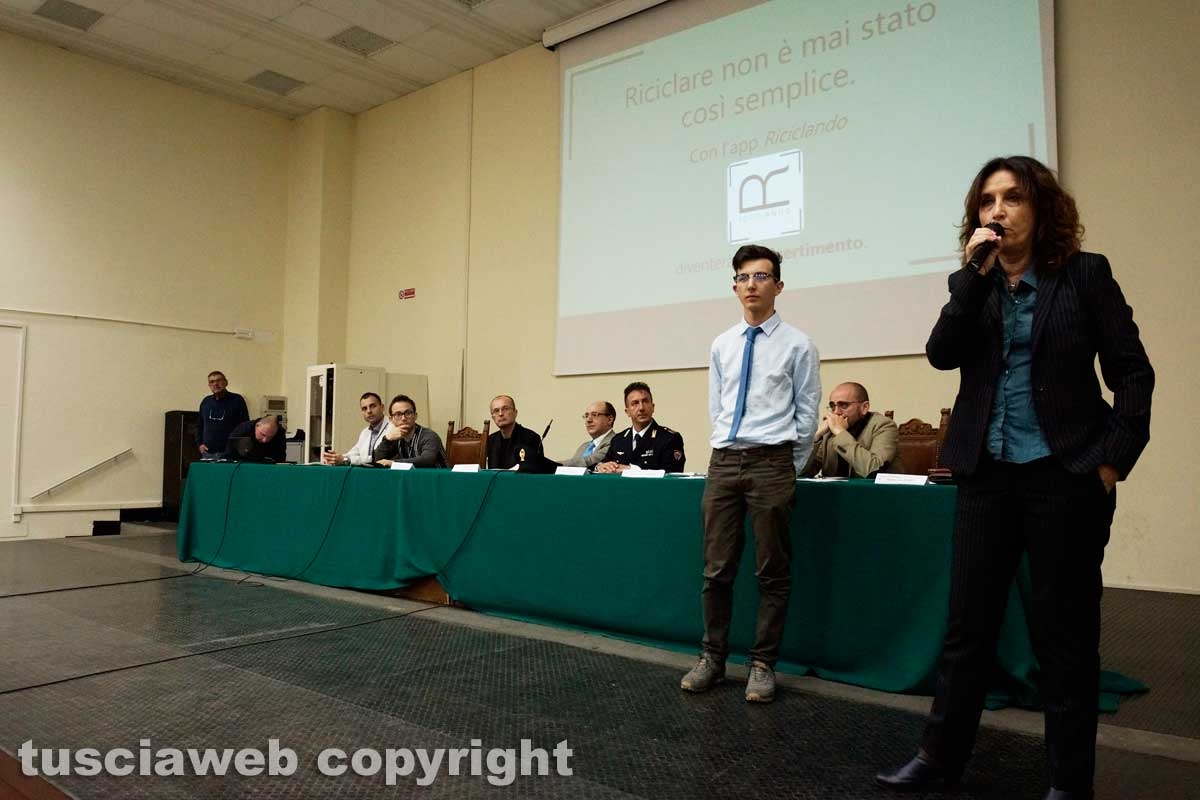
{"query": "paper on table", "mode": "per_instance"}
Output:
(402, 465)
(897, 478)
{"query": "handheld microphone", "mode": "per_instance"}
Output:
(984, 250)
(548, 424)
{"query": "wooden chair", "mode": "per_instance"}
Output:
(920, 447)
(468, 446)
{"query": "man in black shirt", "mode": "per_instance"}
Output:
(268, 440)
(511, 443)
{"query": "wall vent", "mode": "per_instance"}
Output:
(65, 12)
(361, 41)
(274, 82)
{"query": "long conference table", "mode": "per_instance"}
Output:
(619, 556)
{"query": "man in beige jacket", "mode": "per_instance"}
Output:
(852, 441)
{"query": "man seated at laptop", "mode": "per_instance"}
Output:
(853, 441)
(267, 440)
(371, 406)
(406, 441)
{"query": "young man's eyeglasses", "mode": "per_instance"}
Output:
(757, 277)
(842, 405)
(409, 414)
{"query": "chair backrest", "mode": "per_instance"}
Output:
(921, 444)
(467, 446)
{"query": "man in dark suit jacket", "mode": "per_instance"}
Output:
(1037, 453)
(645, 445)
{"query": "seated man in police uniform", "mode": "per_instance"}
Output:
(645, 445)
(853, 441)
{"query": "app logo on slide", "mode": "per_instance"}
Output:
(765, 196)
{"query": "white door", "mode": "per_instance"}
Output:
(10, 385)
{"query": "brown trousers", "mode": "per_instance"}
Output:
(761, 480)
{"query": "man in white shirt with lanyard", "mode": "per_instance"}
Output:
(371, 407)
(764, 392)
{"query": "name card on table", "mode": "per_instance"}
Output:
(643, 473)
(465, 468)
(571, 471)
(402, 465)
(906, 480)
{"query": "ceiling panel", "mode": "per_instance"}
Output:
(458, 51)
(267, 9)
(28, 6)
(231, 67)
(129, 33)
(317, 96)
(314, 22)
(376, 17)
(282, 61)
(527, 18)
(355, 87)
(412, 62)
(103, 6)
(184, 26)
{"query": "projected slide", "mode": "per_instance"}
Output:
(842, 134)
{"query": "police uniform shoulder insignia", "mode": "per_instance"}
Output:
(679, 455)
(654, 433)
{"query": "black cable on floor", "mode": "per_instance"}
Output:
(97, 585)
(218, 650)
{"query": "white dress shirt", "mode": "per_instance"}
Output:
(362, 451)
(783, 399)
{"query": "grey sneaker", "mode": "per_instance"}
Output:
(760, 688)
(707, 673)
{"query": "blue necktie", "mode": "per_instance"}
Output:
(739, 408)
(591, 448)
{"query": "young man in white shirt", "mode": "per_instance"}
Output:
(764, 393)
(371, 406)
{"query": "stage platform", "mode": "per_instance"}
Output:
(110, 640)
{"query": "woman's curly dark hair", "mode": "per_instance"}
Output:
(1058, 231)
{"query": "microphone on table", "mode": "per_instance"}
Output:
(548, 424)
(984, 250)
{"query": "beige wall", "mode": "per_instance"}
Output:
(126, 197)
(318, 249)
(1128, 116)
(411, 183)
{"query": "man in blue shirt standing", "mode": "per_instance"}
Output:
(764, 392)
(220, 413)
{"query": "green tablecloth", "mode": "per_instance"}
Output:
(871, 564)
